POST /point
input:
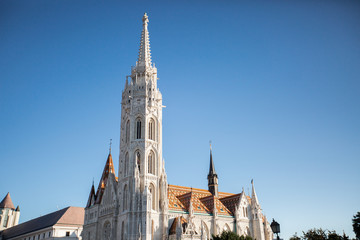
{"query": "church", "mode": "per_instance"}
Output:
(139, 203)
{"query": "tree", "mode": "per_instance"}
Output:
(356, 225)
(228, 235)
(315, 234)
(319, 234)
(295, 237)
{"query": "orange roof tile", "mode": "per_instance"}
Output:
(202, 200)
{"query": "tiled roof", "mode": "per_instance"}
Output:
(66, 216)
(202, 200)
(6, 202)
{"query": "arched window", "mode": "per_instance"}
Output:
(126, 167)
(125, 198)
(152, 129)
(127, 131)
(153, 200)
(151, 163)
(138, 160)
(107, 231)
(138, 129)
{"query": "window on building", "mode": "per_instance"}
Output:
(153, 200)
(138, 129)
(122, 231)
(6, 218)
(127, 130)
(151, 162)
(67, 234)
(49, 234)
(125, 198)
(126, 166)
(138, 160)
(152, 129)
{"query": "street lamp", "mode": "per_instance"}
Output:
(275, 227)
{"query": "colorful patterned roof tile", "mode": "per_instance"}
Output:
(202, 200)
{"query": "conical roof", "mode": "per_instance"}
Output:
(6, 202)
(108, 169)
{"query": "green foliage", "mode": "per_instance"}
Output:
(295, 237)
(228, 235)
(315, 234)
(319, 234)
(356, 225)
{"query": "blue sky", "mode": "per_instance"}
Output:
(274, 84)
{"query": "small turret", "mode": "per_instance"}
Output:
(212, 177)
(9, 216)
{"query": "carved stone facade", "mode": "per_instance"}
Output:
(139, 203)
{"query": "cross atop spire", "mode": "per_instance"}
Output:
(110, 146)
(144, 50)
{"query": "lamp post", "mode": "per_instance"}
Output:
(275, 227)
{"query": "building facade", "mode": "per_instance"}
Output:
(139, 203)
(64, 224)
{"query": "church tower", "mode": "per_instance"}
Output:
(9, 215)
(142, 182)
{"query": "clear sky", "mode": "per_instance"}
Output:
(274, 84)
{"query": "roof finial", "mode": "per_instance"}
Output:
(110, 146)
(145, 18)
(210, 145)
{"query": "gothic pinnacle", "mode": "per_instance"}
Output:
(144, 50)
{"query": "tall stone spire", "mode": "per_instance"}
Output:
(144, 50)
(212, 177)
(254, 198)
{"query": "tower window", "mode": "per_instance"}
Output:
(126, 167)
(137, 155)
(138, 129)
(125, 196)
(127, 130)
(151, 163)
(152, 129)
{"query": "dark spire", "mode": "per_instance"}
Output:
(212, 166)
(212, 176)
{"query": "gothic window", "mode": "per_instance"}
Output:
(151, 163)
(127, 130)
(152, 129)
(122, 231)
(153, 200)
(138, 129)
(107, 231)
(137, 159)
(126, 167)
(125, 198)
